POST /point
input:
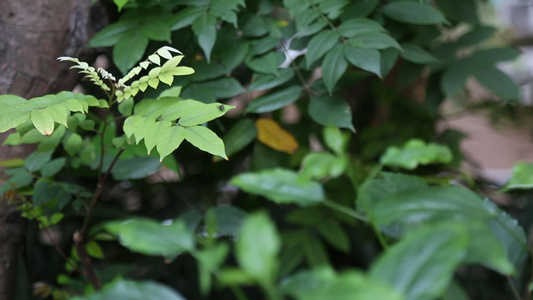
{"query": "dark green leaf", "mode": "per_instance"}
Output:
(274, 100)
(417, 54)
(454, 78)
(113, 33)
(265, 82)
(204, 29)
(266, 64)
(422, 264)
(53, 167)
(234, 55)
(414, 12)
(223, 88)
(333, 67)
(129, 50)
(228, 219)
(374, 40)
(429, 204)
(476, 36)
(185, 17)
(334, 234)
(498, 82)
(35, 161)
(156, 29)
(355, 26)
(281, 186)
(135, 168)
(331, 111)
(366, 59)
(460, 10)
(239, 136)
(319, 45)
(359, 9)
(491, 56)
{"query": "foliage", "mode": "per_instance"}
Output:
(320, 195)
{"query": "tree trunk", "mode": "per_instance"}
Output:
(33, 33)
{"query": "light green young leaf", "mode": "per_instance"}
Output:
(414, 153)
(333, 67)
(522, 177)
(336, 140)
(281, 186)
(94, 250)
(317, 165)
(43, 121)
(258, 246)
(206, 140)
(120, 3)
(170, 140)
(414, 12)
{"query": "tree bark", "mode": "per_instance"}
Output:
(33, 33)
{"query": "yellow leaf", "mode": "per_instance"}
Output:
(271, 134)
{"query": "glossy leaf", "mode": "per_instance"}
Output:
(281, 186)
(422, 264)
(270, 133)
(414, 12)
(131, 290)
(331, 111)
(333, 67)
(153, 238)
(258, 246)
(414, 153)
(274, 100)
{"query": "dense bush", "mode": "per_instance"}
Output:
(335, 183)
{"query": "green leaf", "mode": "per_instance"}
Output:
(498, 82)
(131, 290)
(266, 64)
(388, 60)
(360, 9)
(239, 136)
(323, 283)
(414, 153)
(374, 40)
(205, 140)
(129, 50)
(510, 234)
(113, 33)
(185, 17)
(126, 107)
(334, 234)
(53, 167)
(319, 45)
(258, 256)
(94, 250)
(492, 56)
(135, 168)
(170, 140)
(422, 264)
(335, 139)
(317, 165)
(355, 26)
(43, 121)
(429, 204)
(228, 219)
(204, 29)
(366, 59)
(281, 186)
(265, 82)
(35, 161)
(153, 238)
(454, 78)
(274, 100)
(73, 144)
(223, 88)
(455, 292)
(460, 10)
(476, 36)
(331, 111)
(156, 28)
(417, 54)
(234, 55)
(120, 3)
(414, 12)
(333, 67)
(522, 177)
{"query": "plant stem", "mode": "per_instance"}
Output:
(513, 288)
(345, 210)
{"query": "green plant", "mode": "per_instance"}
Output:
(315, 196)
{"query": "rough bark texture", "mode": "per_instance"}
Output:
(33, 33)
